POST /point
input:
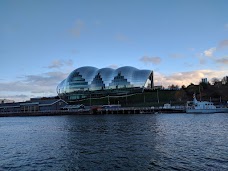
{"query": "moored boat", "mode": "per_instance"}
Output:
(203, 107)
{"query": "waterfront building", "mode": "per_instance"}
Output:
(33, 105)
(86, 82)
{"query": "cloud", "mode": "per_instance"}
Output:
(223, 44)
(46, 79)
(153, 60)
(185, 78)
(77, 29)
(16, 98)
(209, 52)
(223, 61)
(60, 63)
(41, 85)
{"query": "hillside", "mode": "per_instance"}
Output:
(215, 93)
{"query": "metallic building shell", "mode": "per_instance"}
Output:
(91, 78)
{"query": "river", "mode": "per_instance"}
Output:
(115, 142)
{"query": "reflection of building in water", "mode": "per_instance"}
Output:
(89, 81)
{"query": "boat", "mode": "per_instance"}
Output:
(203, 107)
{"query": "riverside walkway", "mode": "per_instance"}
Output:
(98, 110)
(139, 110)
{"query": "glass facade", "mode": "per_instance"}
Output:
(82, 81)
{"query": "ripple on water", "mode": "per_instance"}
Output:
(115, 142)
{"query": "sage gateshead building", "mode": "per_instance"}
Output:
(86, 82)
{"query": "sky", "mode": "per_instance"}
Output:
(42, 41)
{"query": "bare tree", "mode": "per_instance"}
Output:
(215, 80)
(173, 87)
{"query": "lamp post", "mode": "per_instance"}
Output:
(90, 99)
(126, 97)
(157, 96)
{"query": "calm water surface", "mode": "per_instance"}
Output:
(115, 142)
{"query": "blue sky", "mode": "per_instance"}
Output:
(42, 41)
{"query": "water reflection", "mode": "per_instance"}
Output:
(115, 142)
(108, 142)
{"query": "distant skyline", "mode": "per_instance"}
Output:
(42, 41)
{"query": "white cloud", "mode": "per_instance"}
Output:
(209, 52)
(151, 60)
(185, 78)
(40, 85)
(204, 56)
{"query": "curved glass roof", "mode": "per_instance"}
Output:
(87, 72)
(92, 78)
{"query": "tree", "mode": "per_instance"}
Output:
(191, 89)
(173, 87)
(203, 85)
(183, 87)
(180, 95)
(215, 80)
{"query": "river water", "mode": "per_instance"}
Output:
(115, 142)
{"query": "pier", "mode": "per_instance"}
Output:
(96, 111)
(138, 110)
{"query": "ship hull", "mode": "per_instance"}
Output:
(207, 111)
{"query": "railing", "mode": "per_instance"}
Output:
(98, 110)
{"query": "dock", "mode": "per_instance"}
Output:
(138, 110)
(95, 111)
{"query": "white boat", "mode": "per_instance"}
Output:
(203, 107)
